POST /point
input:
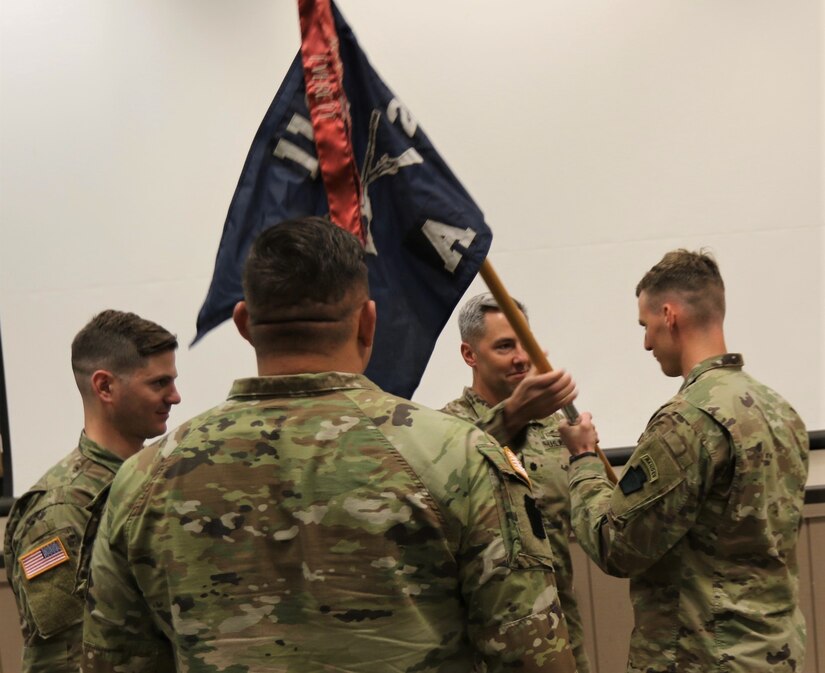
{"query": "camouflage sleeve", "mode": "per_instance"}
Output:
(627, 528)
(41, 553)
(119, 633)
(506, 574)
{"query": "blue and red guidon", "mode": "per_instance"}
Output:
(425, 236)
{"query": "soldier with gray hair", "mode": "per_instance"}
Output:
(471, 317)
(705, 519)
(518, 407)
(124, 368)
(313, 522)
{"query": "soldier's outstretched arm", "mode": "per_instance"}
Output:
(536, 396)
(627, 528)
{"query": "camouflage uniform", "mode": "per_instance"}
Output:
(315, 523)
(705, 521)
(544, 457)
(58, 507)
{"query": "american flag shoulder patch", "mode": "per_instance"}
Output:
(45, 557)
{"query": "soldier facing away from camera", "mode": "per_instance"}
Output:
(312, 521)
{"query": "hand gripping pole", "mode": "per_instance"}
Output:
(528, 341)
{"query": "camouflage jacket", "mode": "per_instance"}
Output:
(43, 553)
(544, 456)
(705, 521)
(313, 523)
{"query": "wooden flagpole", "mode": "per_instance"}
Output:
(528, 341)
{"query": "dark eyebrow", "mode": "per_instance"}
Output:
(163, 377)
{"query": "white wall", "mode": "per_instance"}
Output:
(595, 135)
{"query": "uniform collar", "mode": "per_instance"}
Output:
(726, 361)
(97, 454)
(477, 402)
(298, 384)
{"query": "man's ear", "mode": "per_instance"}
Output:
(670, 312)
(367, 319)
(240, 316)
(468, 354)
(102, 383)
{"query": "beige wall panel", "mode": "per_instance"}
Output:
(582, 569)
(612, 619)
(815, 584)
(11, 642)
(806, 593)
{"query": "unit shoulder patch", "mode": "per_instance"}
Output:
(633, 480)
(48, 555)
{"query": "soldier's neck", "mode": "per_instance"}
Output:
(485, 392)
(285, 365)
(103, 433)
(701, 345)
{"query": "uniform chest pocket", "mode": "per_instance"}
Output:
(527, 543)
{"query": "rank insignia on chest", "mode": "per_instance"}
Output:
(515, 463)
(45, 557)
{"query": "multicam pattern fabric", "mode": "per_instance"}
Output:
(545, 458)
(316, 523)
(59, 506)
(705, 522)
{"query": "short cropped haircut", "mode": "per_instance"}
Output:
(302, 261)
(694, 276)
(118, 342)
(302, 279)
(471, 317)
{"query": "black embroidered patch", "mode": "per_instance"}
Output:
(534, 516)
(633, 480)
